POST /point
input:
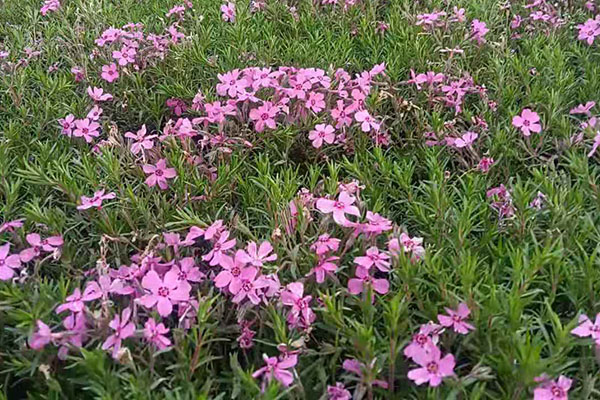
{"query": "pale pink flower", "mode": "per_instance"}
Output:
(428, 335)
(376, 224)
(293, 296)
(42, 336)
(142, 140)
(232, 271)
(324, 244)
(553, 390)
(479, 30)
(466, 140)
(110, 72)
(583, 108)
(406, 244)
(322, 133)
(125, 56)
(228, 12)
(159, 173)
(527, 122)
(67, 124)
(256, 256)
(339, 208)
(97, 94)
(96, 200)
(588, 328)
(87, 129)
(374, 257)
(315, 102)
(187, 271)
(94, 113)
(434, 368)
(264, 116)
(358, 284)
(155, 333)
(342, 115)
(338, 392)
(48, 245)
(368, 123)
(76, 301)
(325, 266)
(123, 329)
(10, 226)
(456, 319)
(277, 369)
(49, 6)
(231, 84)
(216, 255)
(8, 263)
(164, 293)
(247, 285)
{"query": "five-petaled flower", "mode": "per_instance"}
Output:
(527, 122)
(159, 173)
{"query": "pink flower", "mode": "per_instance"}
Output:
(232, 271)
(110, 73)
(164, 292)
(407, 244)
(97, 94)
(589, 30)
(342, 115)
(338, 392)
(485, 164)
(587, 328)
(155, 333)
(356, 367)
(42, 337)
(326, 266)
(466, 140)
(367, 121)
(142, 141)
(264, 116)
(96, 200)
(583, 109)
(301, 311)
(315, 102)
(76, 301)
(322, 133)
(10, 226)
(49, 6)
(246, 338)
(256, 256)
(67, 124)
(428, 336)
(374, 257)
(228, 12)
(87, 129)
(479, 30)
(159, 173)
(278, 369)
(377, 224)
(94, 114)
(324, 244)
(339, 208)
(216, 255)
(125, 56)
(456, 319)
(231, 84)
(527, 122)
(8, 263)
(363, 279)
(551, 390)
(123, 329)
(247, 285)
(187, 271)
(37, 245)
(433, 367)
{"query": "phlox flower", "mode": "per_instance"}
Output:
(228, 12)
(122, 329)
(427, 336)
(75, 325)
(342, 114)
(322, 133)
(67, 124)
(358, 284)
(76, 301)
(49, 6)
(42, 336)
(406, 244)
(124, 56)
(230, 84)
(315, 102)
(324, 244)
(588, 328)
(163, 293)
(589, 30)
(456, 319)
(478, 31)
(466, 140)
(10, 226)
(217, 254)
(159, 173)
(38, 245)
(264, 116)
(8, 263)
(110, 73)
(232, 271)
(325, 266)
(155, 334)
(595, 145)
(338, 392)
(246, 338)
(433, 368)
(141, 140)
(86, 128)
(376, 224)
(485, 164)
(96, 200)
(176, 105)
(368, 123)
(527, 122)
(97, 94)
(583, 108)
(257, 255)
(94, 113)
(339, 208)
(277, 368)
(301, 312)
(553, 390)
(374, 257)
(187, 271)
(247, 285)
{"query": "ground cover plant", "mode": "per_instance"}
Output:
(337, 199)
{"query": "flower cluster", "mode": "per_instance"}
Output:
(538, 16)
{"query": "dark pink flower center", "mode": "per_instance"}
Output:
(525, 123)
(247, 286)
(456, 318)
(158, 172)
(595, 328)
(557, 391)
(1, 262)
(432, 367)
(235, 271)
(421, 339)
(163, 291)
(339, 205)
(182, 276)
(264, 116)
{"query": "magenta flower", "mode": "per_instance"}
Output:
(228, 12)
(142, 141)
(456, 319)
(588, 328)
(187, 271)
(247, 285)
(406, 244)
(86, 128)
(278, 369)
(164, 292)
(110, 73)
(217, 254)
(315, 102)
(374, 257)
(322, 133)
(159, 173)
(583, 108)
(97, 94)
(230, 84)
(433, 367)
(326, 266)
(94, 113)
(485, 164)
(363, 279)
(553, 390)
(123, 329)
(96, 200)
(301, 312)
(368, 123)
(257, 256)
(37, 245)
(324, 244)
(232, 271)
(527, 122)
(49, 6)
(428, 335)
(155, 333)
(8, 263)
(479, 30)
(10, 226)
(339, 208)
(75, 302)
(338, 392)
(342, 115)
(264, 116)
(42, 336)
